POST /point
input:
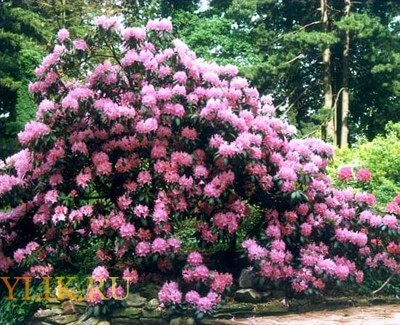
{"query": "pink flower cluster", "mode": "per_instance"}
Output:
(363, 175)
(394, 206)
(203, 304)
(159, 25)
(170, 294)
(345, 173)
(100, 273)
(62, 35)
(194, 273)
(21, 253)
(33, 131)
(107, 22)
(357, 238)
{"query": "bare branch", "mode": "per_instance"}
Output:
(310, 134)
(337, 98)
(294, 102)
(283, 103)
(310, 24)
(295, 31)
(384, 284)
(294, 59)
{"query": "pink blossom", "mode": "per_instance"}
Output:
(39, 271)
(345, 173)
(115, 292)
(205, 304)
(22, 162)
(51, 196)
(342, 272)
(131, 276)
(357, 238)
(200, 273)
(192, 297)
(218, 184)
(80, 44)
(45, 106)
(102, 163)
(306, 229)
(189, 133)
(19, 255)
(174, 244)
(127, 231)
(130, 57)
(366, 198)
(62, 35)
(159, 245)
(147, 126)
(393, 207)
(273, 231)
(363, 175)
(254, 251)
(287, 174)
(390, 221)
(33, 131)
(180, 77)
(159, 25)
(170, 294)
(141, 211)
(30, 247)
(136, 33)
(144, 177)
(107, 22)
(84, 177)
(93, 296)
(124, 202)
(117, 220)
(221, 281)
(195, 259)
(160, 212)
(60, 213)
(142, 249)
(80, 147)
(100, 273)
(299, 286)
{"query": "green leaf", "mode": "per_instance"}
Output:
(199, 315)
(96, 311)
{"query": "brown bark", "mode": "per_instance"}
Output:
(328, 129)
(345, 104)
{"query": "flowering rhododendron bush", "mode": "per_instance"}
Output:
(134, 133)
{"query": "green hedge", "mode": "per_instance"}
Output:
(381, 156)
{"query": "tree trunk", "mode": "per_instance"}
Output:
(328, 129)
(63, 13)
(345, 104)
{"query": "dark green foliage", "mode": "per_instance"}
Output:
(19, 310)
(23, 36)
(216, 39)
(288, 38)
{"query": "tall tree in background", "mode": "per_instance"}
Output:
(329, 127)
(343, 126)
(325, 64)
(23, 34)
(331, 65)
(27, 28)
(374, 71)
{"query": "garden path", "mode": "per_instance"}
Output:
(372, 315)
